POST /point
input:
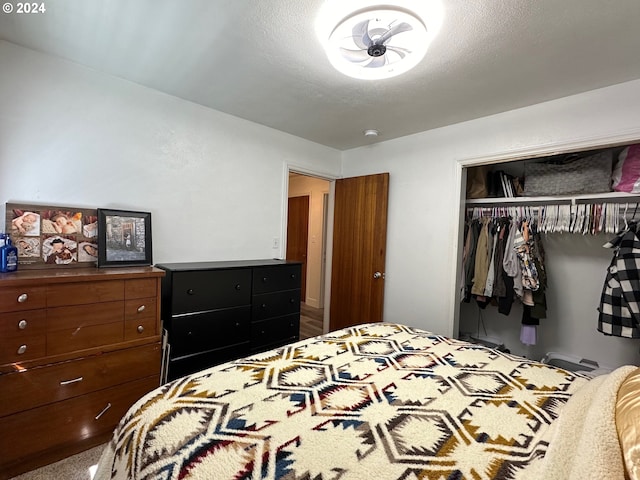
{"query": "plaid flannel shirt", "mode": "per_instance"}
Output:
(620, 301)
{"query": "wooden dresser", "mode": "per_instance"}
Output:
(219, 311)
(77, 348)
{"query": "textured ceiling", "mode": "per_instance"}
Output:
(261, 60)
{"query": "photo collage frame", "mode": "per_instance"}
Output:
(47, 236)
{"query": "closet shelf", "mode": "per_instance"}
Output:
(607, 197)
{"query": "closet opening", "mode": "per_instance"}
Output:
(570, 228)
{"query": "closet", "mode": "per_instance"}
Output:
(572, 229)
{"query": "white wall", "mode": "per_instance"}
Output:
(316, 189)
(424, 195)
(215, 184)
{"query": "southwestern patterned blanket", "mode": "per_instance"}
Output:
(375, 401)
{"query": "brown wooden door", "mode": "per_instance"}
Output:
(298, 235)
(359, 248)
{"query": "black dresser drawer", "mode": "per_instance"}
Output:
(281, 329)
(197, 291)
(194, 363)
(208, 330)
(271, 279)
(275, 304)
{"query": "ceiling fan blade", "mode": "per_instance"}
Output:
(401, 52)
(355, 56)
(377, 62)
(361, 35)
(394, 30)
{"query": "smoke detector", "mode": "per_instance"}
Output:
(378, 42)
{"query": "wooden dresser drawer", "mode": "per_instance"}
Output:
(14, 299)
(84, 293)
(140, 318)
(16, 349)
(272, 279)
(80, 316)
(198, 291)
(83, 337)
(79, 327)
(43, 385)
(140, 288)
(22, 324)
(275, 304)
(63, 423)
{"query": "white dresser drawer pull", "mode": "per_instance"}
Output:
(22, 324)
(140, 329)
(22, 298)
(68, 382)
(141, 308)
(104, 410)
(22, 349)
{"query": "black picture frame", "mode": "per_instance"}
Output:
(124, 238)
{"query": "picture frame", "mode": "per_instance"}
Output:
(53, 236)
(124, 238)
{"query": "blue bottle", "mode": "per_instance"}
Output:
(8, 257)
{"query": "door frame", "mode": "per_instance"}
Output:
(290, 167)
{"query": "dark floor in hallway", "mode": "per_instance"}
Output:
(310, 321)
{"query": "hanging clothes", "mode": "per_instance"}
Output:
(469, 262)
(482, 259)
(620, 301)
(491, 273)
(522, 246)
(506, 263)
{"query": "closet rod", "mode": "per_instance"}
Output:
(631, 200)
(513, 202)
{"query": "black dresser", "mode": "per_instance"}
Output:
(214, 312)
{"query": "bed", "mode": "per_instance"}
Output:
(374, 401)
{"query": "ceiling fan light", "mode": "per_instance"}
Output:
(377, 42)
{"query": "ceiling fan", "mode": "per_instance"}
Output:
(378, 43)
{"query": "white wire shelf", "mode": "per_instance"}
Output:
(607, 197)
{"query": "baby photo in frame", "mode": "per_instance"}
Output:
(47, 236)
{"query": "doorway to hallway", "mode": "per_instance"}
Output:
(306, 242)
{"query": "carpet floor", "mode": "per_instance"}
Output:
(76, 467)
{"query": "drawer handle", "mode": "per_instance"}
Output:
(264, 279)
(140, 329)
(22, 324)
(237, 324)
(141, 308)
(237, 286)
(69, 382)
(104, 410)
(264, 305)
(22, 298)
(190, 291)
(22, 349)
(292, 300)
(293, 275)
